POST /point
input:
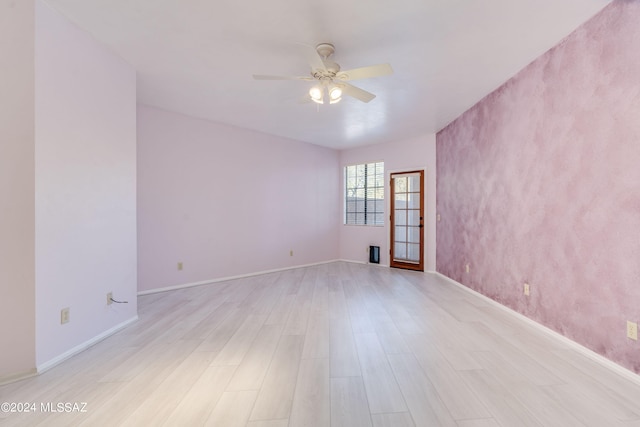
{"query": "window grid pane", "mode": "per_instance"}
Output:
(364, 194)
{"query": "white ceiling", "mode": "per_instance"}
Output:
(197, 57)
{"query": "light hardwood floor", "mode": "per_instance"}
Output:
(331, 345)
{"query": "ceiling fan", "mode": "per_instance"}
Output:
(329, 79)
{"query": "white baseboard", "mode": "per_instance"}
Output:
(18, 376)
(225, 279)
(598, 358)
(85, 345)
(363, 263)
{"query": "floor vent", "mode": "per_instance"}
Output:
(374, 254)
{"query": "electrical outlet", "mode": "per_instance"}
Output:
(64, 316)
(438, 217)
(527, 290)
(179, 266)
(109, 298)
(466, 267)
(291, 252)
(632, 330)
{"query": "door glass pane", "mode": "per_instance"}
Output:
(401, 201)
(413, 235)
(414, 217)
(413, 200)
(413, 183)
(400, 250)
(401, 184)
(413, 252)
(401, 217)
(400, 234)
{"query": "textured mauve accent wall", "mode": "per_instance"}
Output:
(540, 183)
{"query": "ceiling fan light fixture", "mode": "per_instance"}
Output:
(335, 94)
(316, 94)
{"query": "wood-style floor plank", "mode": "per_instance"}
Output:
(316, 343)
(269, 423)
(425, 405)
(481, 422)
(344, 355)
(159, 404)
(311, 402)
(398, 419)
(232, 410)
(198, 403)
(457, 396)
(253, 368)
(338, 344)
(381, 385)
(349, 406)
(276, 394)
(238, 345)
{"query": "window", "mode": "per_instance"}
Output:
(364, 194)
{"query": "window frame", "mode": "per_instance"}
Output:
(358, 179)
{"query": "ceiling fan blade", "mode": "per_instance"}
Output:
(266, 77)
(314, 60)
(365, 72)
(356, 92)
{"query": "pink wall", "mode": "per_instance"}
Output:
(85, 188)
(539, 183)
(226, 201)
(17, 279)
(411, 154)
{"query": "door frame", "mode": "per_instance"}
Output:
(399, 264)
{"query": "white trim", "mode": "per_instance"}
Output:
(406, 173)
(590, 354)
(362, 262)
(85, 345)
(18, 377)
(225, 279)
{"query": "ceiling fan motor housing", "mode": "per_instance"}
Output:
(325, 50)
